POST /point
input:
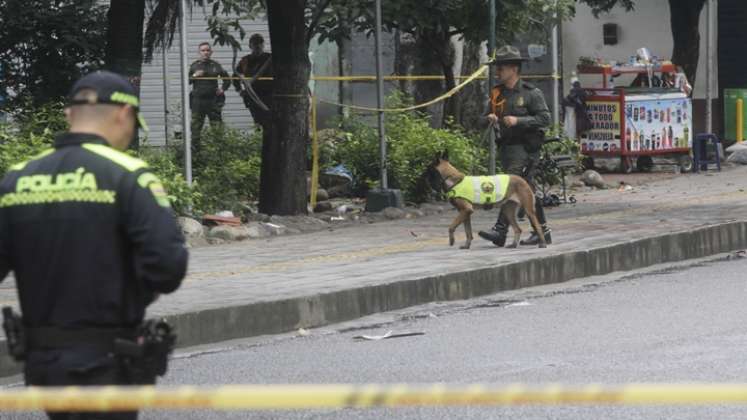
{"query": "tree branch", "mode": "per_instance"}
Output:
(315, 20)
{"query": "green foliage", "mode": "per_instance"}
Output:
(45, 45)
(226, 169)
(426, 18)
(411, 146)
(32, 133)
(163, 163)
(601, 6)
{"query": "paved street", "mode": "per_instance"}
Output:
(672, 324)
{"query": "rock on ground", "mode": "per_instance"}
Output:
(229, 233)
(593, 179)
(191, 228)
(393, 213)
(322, 206)
(300, 223)
(739, 157)
(257, 230)
(274, 229)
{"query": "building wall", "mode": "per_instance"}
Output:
(647, 26)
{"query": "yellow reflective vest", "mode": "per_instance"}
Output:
(481, 189)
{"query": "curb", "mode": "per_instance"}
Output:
(274, 317)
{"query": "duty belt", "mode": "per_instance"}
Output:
(56, 338)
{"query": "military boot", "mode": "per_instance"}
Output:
(534, 238)
(497, 234)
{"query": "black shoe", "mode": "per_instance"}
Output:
(498, 238)
(534, 239)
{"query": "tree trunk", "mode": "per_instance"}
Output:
(124, 46)
(405, 52)
(472, 98)
(284, 193)
(446, 58)
(427, 63)
(345, 68)
(685, 20)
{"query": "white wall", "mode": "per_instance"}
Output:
(646, 26)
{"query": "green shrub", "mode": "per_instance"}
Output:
(411, 146)
(163, 163)
(226, 169)
(31, 133)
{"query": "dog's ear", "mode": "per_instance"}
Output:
(445, 154)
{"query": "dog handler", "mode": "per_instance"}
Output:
(90, 235)
(519, 115)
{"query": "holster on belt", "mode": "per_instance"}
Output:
(143, 350)
(147, 356)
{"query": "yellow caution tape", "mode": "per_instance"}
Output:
(446, 95)
(264, 397)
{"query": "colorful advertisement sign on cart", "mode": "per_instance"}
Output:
(653, 124)
(604, 135)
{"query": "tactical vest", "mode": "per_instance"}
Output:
(481, 189)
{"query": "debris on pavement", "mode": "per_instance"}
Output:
(217, 219)
(625, 187)
(522, 303)
(737, 254)
(303, 332)
(389, 334)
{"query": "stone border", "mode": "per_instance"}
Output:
(273, 317)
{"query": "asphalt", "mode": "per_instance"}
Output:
(284, 283)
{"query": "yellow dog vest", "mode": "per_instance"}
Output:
(481, 189)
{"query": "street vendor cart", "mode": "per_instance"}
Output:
(634, 124)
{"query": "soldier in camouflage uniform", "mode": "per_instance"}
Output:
(207, 98)
(519, 114)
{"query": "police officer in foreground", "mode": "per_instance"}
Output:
(92, 240)
(207, 98)
(519, 116)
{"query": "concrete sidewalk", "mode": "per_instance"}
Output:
(284, 283)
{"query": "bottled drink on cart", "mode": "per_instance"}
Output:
(635, 114)
(686, 139)
(670, 135)
(628, 142)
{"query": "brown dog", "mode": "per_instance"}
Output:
(467, 192)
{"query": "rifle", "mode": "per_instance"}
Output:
(248, 85)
